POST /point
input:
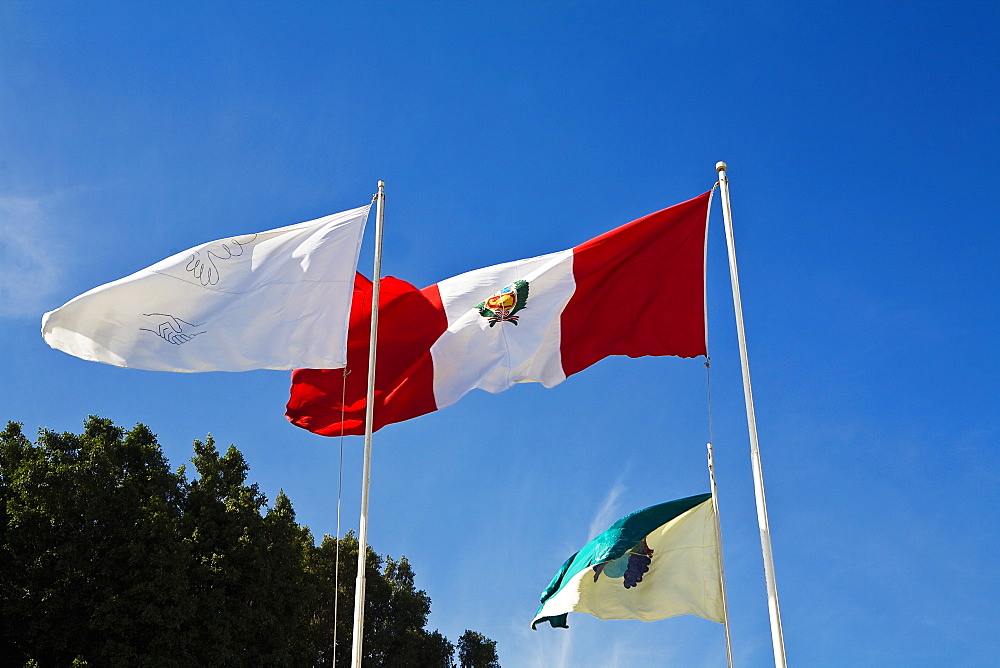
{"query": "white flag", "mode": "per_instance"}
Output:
(274, 300)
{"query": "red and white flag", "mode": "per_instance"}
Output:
(637, 290)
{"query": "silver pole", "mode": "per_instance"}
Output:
(777, 639)
(359, 589)
(718, 537)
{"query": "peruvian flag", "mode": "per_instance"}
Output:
(637, 290)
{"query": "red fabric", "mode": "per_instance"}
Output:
(410, 320)
(640, 290)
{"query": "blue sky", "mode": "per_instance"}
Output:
(860, 140)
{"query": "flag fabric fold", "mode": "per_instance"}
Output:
(637, 290)
(653, 564)
(278, 299)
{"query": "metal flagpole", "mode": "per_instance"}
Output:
(359, 589)
(718, 537)
(777, 639)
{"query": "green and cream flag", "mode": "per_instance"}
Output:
(655, 563)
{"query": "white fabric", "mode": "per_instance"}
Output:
(275, 300)
(683, 578)
(471, 354)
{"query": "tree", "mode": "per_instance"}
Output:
(395, 611)
(95, 566)
(247, 579)
(107, 557)
(477, 651)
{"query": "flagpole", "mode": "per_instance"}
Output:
(359, 589)
(722, 570)
(777, 639)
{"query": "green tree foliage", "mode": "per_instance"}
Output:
(95, 566)
(247, 573)
(477, 651)
(395, 611)
(107, 557)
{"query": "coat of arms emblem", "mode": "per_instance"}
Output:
(502, 305)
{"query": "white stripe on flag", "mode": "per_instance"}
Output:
(472, 354)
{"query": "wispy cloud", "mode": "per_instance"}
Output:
(608, 511)
(563, 660)
(30, 266)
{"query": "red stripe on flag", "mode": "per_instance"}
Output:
(410, 321)
(640, 289)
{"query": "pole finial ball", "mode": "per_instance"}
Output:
(720, 166)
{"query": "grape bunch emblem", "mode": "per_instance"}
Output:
(631, 566)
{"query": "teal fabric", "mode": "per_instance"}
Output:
(613, 543)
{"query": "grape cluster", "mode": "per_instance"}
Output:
(638, 564)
